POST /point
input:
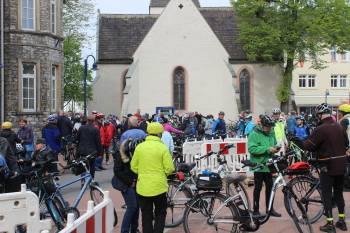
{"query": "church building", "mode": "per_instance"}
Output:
(180, 55)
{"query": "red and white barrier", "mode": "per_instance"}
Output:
(193, 149)
(97, 219)
(21, 208)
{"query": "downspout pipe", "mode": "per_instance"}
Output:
(2, 66)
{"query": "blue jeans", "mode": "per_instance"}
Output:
(131, 217)
(98, 162)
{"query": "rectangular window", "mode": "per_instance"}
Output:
(333, 55)
(28, 14)
(53, 88)
(53, 16)
(28, 87)
(307, 80)
(345, 57)
(339, 81)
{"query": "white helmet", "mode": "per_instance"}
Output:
(19, 148)
(276, 111)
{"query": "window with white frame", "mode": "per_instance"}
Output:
(345, 56)
(53, 16)
(339, 80)
(28, 14)
(333, 54)
(307, 80)
(28, 87)
(53, 87)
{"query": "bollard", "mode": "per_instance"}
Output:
(23, 188)
(90, 206)
(70, 219)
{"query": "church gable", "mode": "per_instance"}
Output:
(164, 3)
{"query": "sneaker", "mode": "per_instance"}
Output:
(273, 213)
(329, 227)
(341, 224)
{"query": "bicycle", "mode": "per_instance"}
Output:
(222, 213)
(49, 191)
(69, 149)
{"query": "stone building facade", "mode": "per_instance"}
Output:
(33, 59)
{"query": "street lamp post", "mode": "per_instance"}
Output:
(94, 67)
(326, 95)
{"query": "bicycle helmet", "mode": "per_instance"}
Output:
(19, 148)
(127, 149)
(52, 118)
(158, 119)
(249, 117)
(323, 109)
(276, 111)
(106, 122)
(6, 125)
(300, 117)
(344, 108)
(267, 121)
(100, 115)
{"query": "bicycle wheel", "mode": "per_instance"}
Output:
(177, 197)
(97, 196)
(207, 213)
(55, 209)
(231, 190)
(300, 217)
(308, 192)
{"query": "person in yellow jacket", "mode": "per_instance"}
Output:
(152, 163)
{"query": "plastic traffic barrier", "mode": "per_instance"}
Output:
(97, 219)
(21, 209)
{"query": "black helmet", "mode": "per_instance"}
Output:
(127, 149)
(323, 109)
(266, 120)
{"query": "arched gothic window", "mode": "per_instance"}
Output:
(179, 95)
(244, 88)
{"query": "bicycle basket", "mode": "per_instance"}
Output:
(78, 169)
(209, 182)
(281, 164)
(49, 186)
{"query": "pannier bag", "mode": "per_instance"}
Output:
(211, 181)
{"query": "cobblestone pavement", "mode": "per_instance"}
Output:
(274, 225)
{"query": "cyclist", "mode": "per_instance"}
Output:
(279, 128)
(89, 141)
(249, 125)
(330, 143)
(292, 122)
(152, 163)
(52, 136)
(124, 179)
(219, 126)
(109, 132)
(10, 135)
(262, 146)
(301, 131)
(344, 117)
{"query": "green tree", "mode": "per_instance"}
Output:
(286, 31)
(77, 16)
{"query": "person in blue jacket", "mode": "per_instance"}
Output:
(52, 136)
(219, 126)
(249, 125)
(301, 131)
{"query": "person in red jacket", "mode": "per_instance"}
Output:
(99, 125)
(108, 132)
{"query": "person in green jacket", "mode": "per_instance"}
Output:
(152, 163)
(262, 146)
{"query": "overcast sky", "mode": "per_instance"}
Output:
(134, 7)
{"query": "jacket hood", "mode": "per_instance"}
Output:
(258, 128)
(6, 133)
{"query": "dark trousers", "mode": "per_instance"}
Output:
(131, 217)
(332, 185)
(160, 205)
(259, 179)
(106, 152)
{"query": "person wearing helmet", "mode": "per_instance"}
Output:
(124, 178)
(262, 146)
(249, 125)
(279, 128)
(10, 135)
(344, 117)
(219, 126)
(152, 163)
(108, 133)
(329, 141)
(301, 131)
(52, 136)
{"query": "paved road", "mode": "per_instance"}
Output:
(274, 225)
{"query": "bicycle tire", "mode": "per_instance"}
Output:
(199, 205)
(172, 202)
(96, 195)
(302, 222)
(313, 206)
(55, 210)
(230, 191)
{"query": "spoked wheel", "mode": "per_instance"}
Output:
(203, 214)
(300, 217)
(97, 196)
(304, 188)
(176, 199)
(231, 190)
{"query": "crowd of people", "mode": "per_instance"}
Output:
(142, 147)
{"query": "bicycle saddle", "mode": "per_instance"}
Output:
(235, 178)
(185, 167)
